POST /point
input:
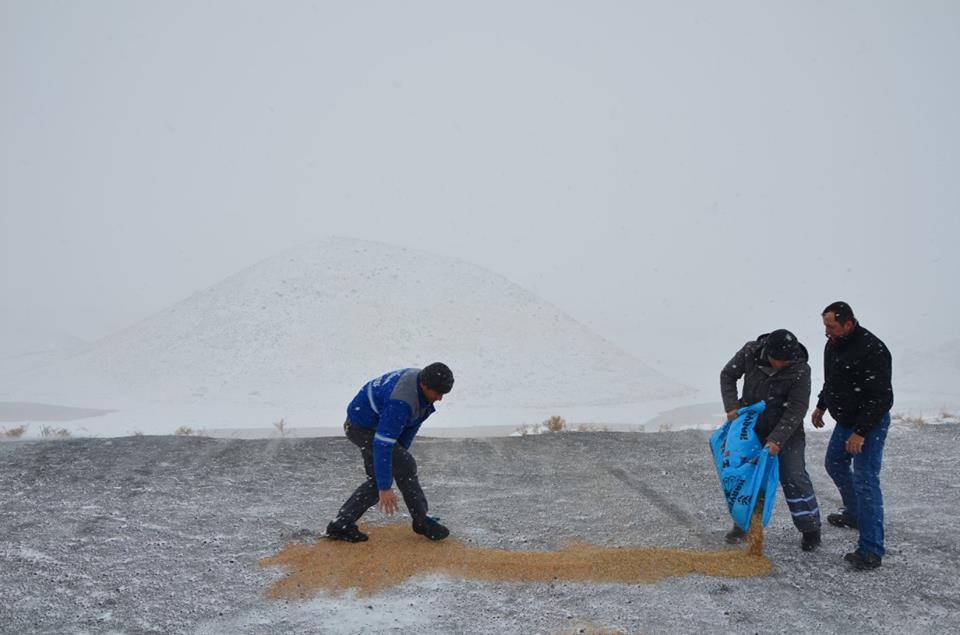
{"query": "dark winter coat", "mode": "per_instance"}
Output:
(857, 389)
(786, 392)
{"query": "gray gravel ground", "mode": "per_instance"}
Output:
(163, 535)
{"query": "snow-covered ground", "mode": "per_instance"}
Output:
(165, 534)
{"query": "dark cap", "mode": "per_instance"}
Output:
(782, 345)
(437, 376)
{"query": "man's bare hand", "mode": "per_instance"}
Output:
(773, 448)
(732, 415)
(854, 444)
(388, 502)
(817, 418)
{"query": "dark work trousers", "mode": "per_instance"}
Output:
(796, 484)
(368, 494)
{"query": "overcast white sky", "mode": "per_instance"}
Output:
(672, 174)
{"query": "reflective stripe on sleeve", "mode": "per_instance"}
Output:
(383, 439)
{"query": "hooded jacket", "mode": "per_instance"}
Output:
(857, 388)
(786, 392)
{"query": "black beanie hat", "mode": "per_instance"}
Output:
(437, 376)
(782, 345)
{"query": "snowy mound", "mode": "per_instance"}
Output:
(313, 324)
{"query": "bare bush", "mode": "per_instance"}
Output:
(14, 433)
(184, 431)
(281, 427)
(555, 424)
(48, 432)
(911, 422)
(583, 427)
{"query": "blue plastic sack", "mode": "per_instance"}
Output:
(745, 468)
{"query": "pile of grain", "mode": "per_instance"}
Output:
(394, 554)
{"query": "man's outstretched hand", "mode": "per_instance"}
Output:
(817, 418)
(388, 502)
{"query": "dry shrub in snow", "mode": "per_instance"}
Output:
(912, 422)
(50, 432)
(583, 427)
(919, 422)
(14, 433)
(555, 424)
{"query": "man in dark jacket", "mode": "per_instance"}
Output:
(775, 370)
(382, 421)
(857, 391)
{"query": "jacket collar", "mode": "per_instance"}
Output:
(855, 334)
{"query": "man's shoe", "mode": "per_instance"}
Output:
(350, 533)
(862, 561)
(810, 540)
(735, 536)
(842, 520)
(431, 529)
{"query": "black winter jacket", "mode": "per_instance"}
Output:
(786, 392)
(857, 372)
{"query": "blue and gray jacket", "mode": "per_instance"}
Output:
(394, 407)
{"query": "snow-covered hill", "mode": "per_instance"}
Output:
(22, 349)
(310, 325)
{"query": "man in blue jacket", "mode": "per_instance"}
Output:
(382, 421)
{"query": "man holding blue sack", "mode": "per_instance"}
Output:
(775, 370)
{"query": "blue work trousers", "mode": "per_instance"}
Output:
(860, 487)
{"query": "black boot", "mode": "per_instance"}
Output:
(735, 536)
(842, 520)
(811, 540)
(863, 561)
(348, 533)
(430, 528)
